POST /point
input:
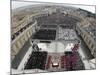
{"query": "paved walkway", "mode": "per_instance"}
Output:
(24, 60)
(15, 63)
(86, 63)
(85, 49)
(85, 53)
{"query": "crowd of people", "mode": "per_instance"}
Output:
(67, 34)
(37, 60)
(58, 19)
(45, 34)
(73, 61)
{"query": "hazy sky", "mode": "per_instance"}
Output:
(16, 4)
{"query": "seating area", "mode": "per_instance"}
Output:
(37, 60)
(68, 65)
(58, 18)
(73, 61)
(41, 60)
(48, 26)
(67, 34)
(44, 34)
(48, 62)
(75, 48)
(77, 64)
(63, 61)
